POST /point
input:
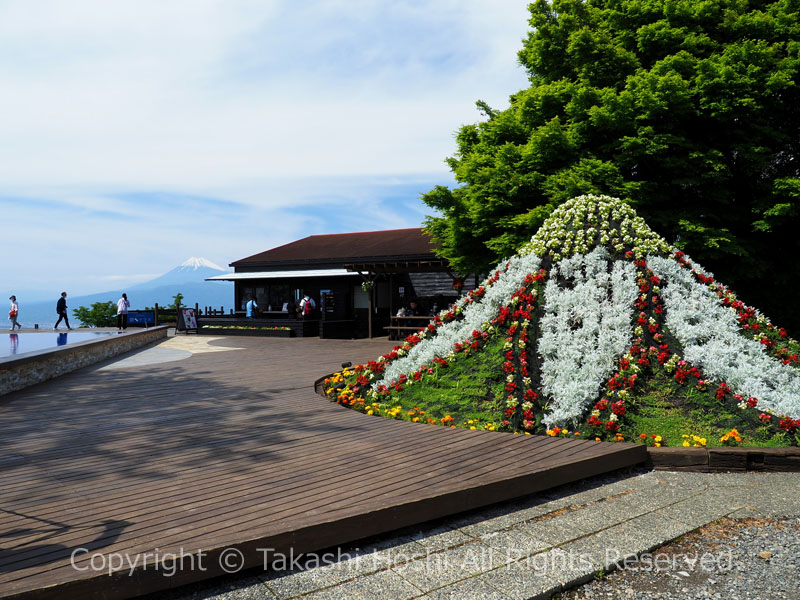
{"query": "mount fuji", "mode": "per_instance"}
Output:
(192, 270)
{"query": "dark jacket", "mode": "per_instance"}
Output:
(61, 306)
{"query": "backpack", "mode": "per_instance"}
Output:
(307, 308)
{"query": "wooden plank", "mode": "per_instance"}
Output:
(217, 451)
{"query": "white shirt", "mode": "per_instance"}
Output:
(13, 307)
(122, 306)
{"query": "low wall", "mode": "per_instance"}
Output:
(711, 460)
(299, 328)
(35, 367)
(204, 330)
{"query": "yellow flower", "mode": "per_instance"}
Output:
(686, 442)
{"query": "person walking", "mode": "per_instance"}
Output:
(61, 309)
(13, 311)
(122, 312)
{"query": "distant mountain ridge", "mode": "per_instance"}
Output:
(188, 278)
(192, 270)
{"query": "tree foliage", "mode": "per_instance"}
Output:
(101, 314)
(687, 108)
(177, 301)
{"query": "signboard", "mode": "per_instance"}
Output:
(186, 320)
(141, 317)
(328, 301)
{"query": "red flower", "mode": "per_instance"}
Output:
(788, 425)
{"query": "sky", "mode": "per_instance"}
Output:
(138, 134)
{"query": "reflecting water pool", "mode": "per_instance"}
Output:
(20, 343)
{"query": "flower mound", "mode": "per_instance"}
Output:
(593, 306)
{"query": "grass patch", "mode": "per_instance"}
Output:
(670, 410)
(470, 388)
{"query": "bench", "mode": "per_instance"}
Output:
(398, 331)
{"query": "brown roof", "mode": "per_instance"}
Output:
(348, 247)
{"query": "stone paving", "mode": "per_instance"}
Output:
(527, 549)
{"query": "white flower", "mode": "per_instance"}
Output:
(475, 317)
(713, 342)
(585, 327)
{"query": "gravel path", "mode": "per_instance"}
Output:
(728, 559)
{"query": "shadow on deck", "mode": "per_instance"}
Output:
(126, 470)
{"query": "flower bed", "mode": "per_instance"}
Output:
(247, 330)
(596, 326)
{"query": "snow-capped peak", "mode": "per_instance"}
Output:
(195, 263)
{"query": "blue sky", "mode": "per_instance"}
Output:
(136, 135)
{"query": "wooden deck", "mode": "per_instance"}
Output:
(234, 450)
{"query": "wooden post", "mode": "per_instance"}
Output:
(391, 297)
(369, 317)
(156, 314)
(369, 278)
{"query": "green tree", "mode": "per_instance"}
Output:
(101, 314)
(177, 301)
(687, 108)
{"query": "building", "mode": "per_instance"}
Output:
(358, 280)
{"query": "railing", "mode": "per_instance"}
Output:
(170, 315)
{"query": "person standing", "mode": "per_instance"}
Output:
(61, 309)
(250, 309)
(122, 312)
(307, 306)
(13, 311)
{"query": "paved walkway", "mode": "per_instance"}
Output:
(173, 349)
(532, 548)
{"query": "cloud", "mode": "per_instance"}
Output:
(137, 134)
